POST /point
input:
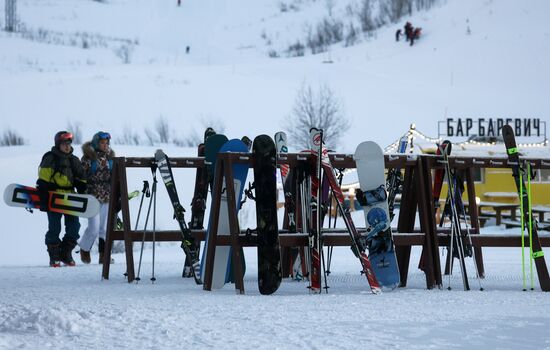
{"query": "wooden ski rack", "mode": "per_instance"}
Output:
(416, 197)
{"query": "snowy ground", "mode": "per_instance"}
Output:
(41, 307)
(66, 307)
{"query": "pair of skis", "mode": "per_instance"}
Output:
(520, 172)
(460, 243)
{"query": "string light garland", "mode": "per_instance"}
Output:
(412, 134)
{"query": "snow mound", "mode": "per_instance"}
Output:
(52, 321)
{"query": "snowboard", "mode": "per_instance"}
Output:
(211, 148)
(369, 159)
(265, 184)
(82, 205)
(222, 259)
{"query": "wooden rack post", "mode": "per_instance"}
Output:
(224, 172)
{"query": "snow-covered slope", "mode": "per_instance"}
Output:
(498, 70)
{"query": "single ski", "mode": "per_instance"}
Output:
(316, 225)
(188, 241)
(394, 181)
(289, 192)
(198, 204)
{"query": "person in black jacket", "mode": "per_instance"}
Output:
(60, 171)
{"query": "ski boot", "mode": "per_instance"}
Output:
(85, 256)
(66, 250)
(55, 255)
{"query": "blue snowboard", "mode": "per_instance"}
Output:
(369, 159)
(222, 262)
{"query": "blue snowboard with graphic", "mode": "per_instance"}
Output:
(372, 196)
(222, 260)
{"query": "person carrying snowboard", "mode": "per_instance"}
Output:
(97, 161)
(60, 171)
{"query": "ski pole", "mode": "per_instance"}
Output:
(153, 279)
(521, 190)
(143, 238)
(469, 239)
(144, 193)
(531, 258)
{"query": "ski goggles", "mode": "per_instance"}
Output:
(104, 136)
(65, 137)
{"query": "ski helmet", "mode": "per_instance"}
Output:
(100, 135)
(62, 136)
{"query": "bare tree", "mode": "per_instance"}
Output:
(76, 129)
(151, 137)
(11, 138)
(163, 129)
(192, 139)
(214, 123)
(129, 137)
(366, 16)
(320, 109)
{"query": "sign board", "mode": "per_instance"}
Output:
(491, 127)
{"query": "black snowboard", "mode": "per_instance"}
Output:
(265, 179)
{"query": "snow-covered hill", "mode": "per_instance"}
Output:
(498, 70)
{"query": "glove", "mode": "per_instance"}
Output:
(43, 188)
(80, 186)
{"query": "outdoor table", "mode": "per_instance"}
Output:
(540, 211)
(498, 208)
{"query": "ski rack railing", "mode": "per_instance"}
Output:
(335, 237)
(468, 164)
(416, 196)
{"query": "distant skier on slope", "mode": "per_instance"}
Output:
(97, 162)
(408, 30)
(397, 34)
(60, 171)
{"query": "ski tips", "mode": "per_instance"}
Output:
(376, 290)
